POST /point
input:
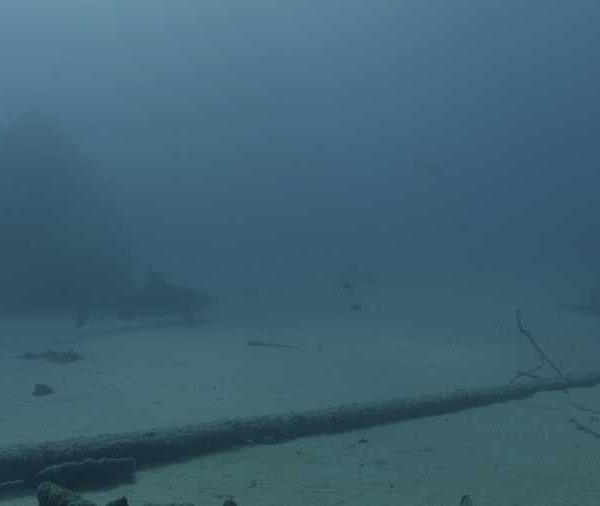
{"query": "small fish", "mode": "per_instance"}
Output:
(269, 344)
(583, 309)
(249, 293)
(348, 286)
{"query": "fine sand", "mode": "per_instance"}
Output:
(396, 345)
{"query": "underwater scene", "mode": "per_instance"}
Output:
(329, 253)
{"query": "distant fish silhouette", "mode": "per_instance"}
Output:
(591, 307)
(157, 298)
(269, 344)
(42, 390)
(83, 315)
(56, 357)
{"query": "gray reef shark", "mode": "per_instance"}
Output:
(158, 298)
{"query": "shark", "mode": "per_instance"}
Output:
(158, 298)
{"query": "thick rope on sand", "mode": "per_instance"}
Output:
(22, 462)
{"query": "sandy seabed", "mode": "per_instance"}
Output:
(397, 345)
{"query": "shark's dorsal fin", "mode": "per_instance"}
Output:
(154, 281)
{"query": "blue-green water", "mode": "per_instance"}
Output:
(366, 191)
